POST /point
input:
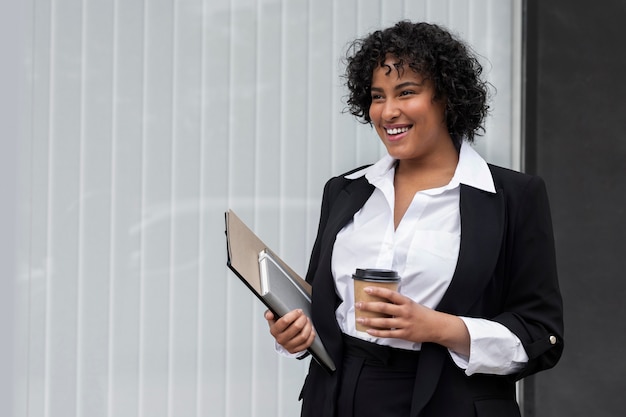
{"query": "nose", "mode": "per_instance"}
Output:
(390, 110)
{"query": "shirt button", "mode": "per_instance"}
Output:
(553, 340)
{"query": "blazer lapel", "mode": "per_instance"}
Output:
(349, 200)
(343, 207)
(482, 229)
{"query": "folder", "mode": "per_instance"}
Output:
(270, 279)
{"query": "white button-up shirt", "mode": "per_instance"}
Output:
(424, 250)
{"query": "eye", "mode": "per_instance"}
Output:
(406, 93)
(376, 97)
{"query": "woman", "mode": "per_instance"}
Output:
(479, 305)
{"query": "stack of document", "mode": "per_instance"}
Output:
(269, 278)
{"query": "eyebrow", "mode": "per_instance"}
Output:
(400, 86)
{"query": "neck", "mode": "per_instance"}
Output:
(440, 165)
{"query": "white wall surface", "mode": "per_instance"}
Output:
(146, 120)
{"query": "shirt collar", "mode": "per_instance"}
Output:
(471, 170)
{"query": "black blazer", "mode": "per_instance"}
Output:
(506, 272)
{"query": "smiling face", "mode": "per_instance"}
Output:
(409, 121)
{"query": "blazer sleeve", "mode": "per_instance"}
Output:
(533, 307)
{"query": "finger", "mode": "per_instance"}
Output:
(306, 344)
(269, 316)
(296, 333)
(300, 340)
(393, 296)
(285, 321)
(386, 333)
(378, 322)
(379, 307)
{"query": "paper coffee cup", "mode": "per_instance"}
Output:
(362, 278)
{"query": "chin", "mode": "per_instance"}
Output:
(396, 153)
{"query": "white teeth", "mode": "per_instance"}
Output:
(396, 131)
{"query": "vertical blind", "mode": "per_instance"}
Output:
(146, 121)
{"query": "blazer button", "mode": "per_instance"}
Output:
(553, 340)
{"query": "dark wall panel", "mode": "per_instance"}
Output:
(576, 140)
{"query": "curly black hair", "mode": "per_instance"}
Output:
(434, 53)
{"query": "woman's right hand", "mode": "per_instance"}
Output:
(293, 331)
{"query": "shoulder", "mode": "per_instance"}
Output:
(519, 189)
(340, 181)
(510, 180)
(352, 171)
(340, 184)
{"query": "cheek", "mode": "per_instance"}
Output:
(439, 110)
(416, 108)
(425, 112)
(372, 112)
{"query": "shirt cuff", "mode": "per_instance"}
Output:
(494, 349)
(284, 352)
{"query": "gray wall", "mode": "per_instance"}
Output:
(11, 71)
(576, 140)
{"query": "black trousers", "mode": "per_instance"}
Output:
(377, 381)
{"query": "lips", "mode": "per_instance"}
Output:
(396, 132)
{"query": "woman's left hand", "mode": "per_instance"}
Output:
(411, 321)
